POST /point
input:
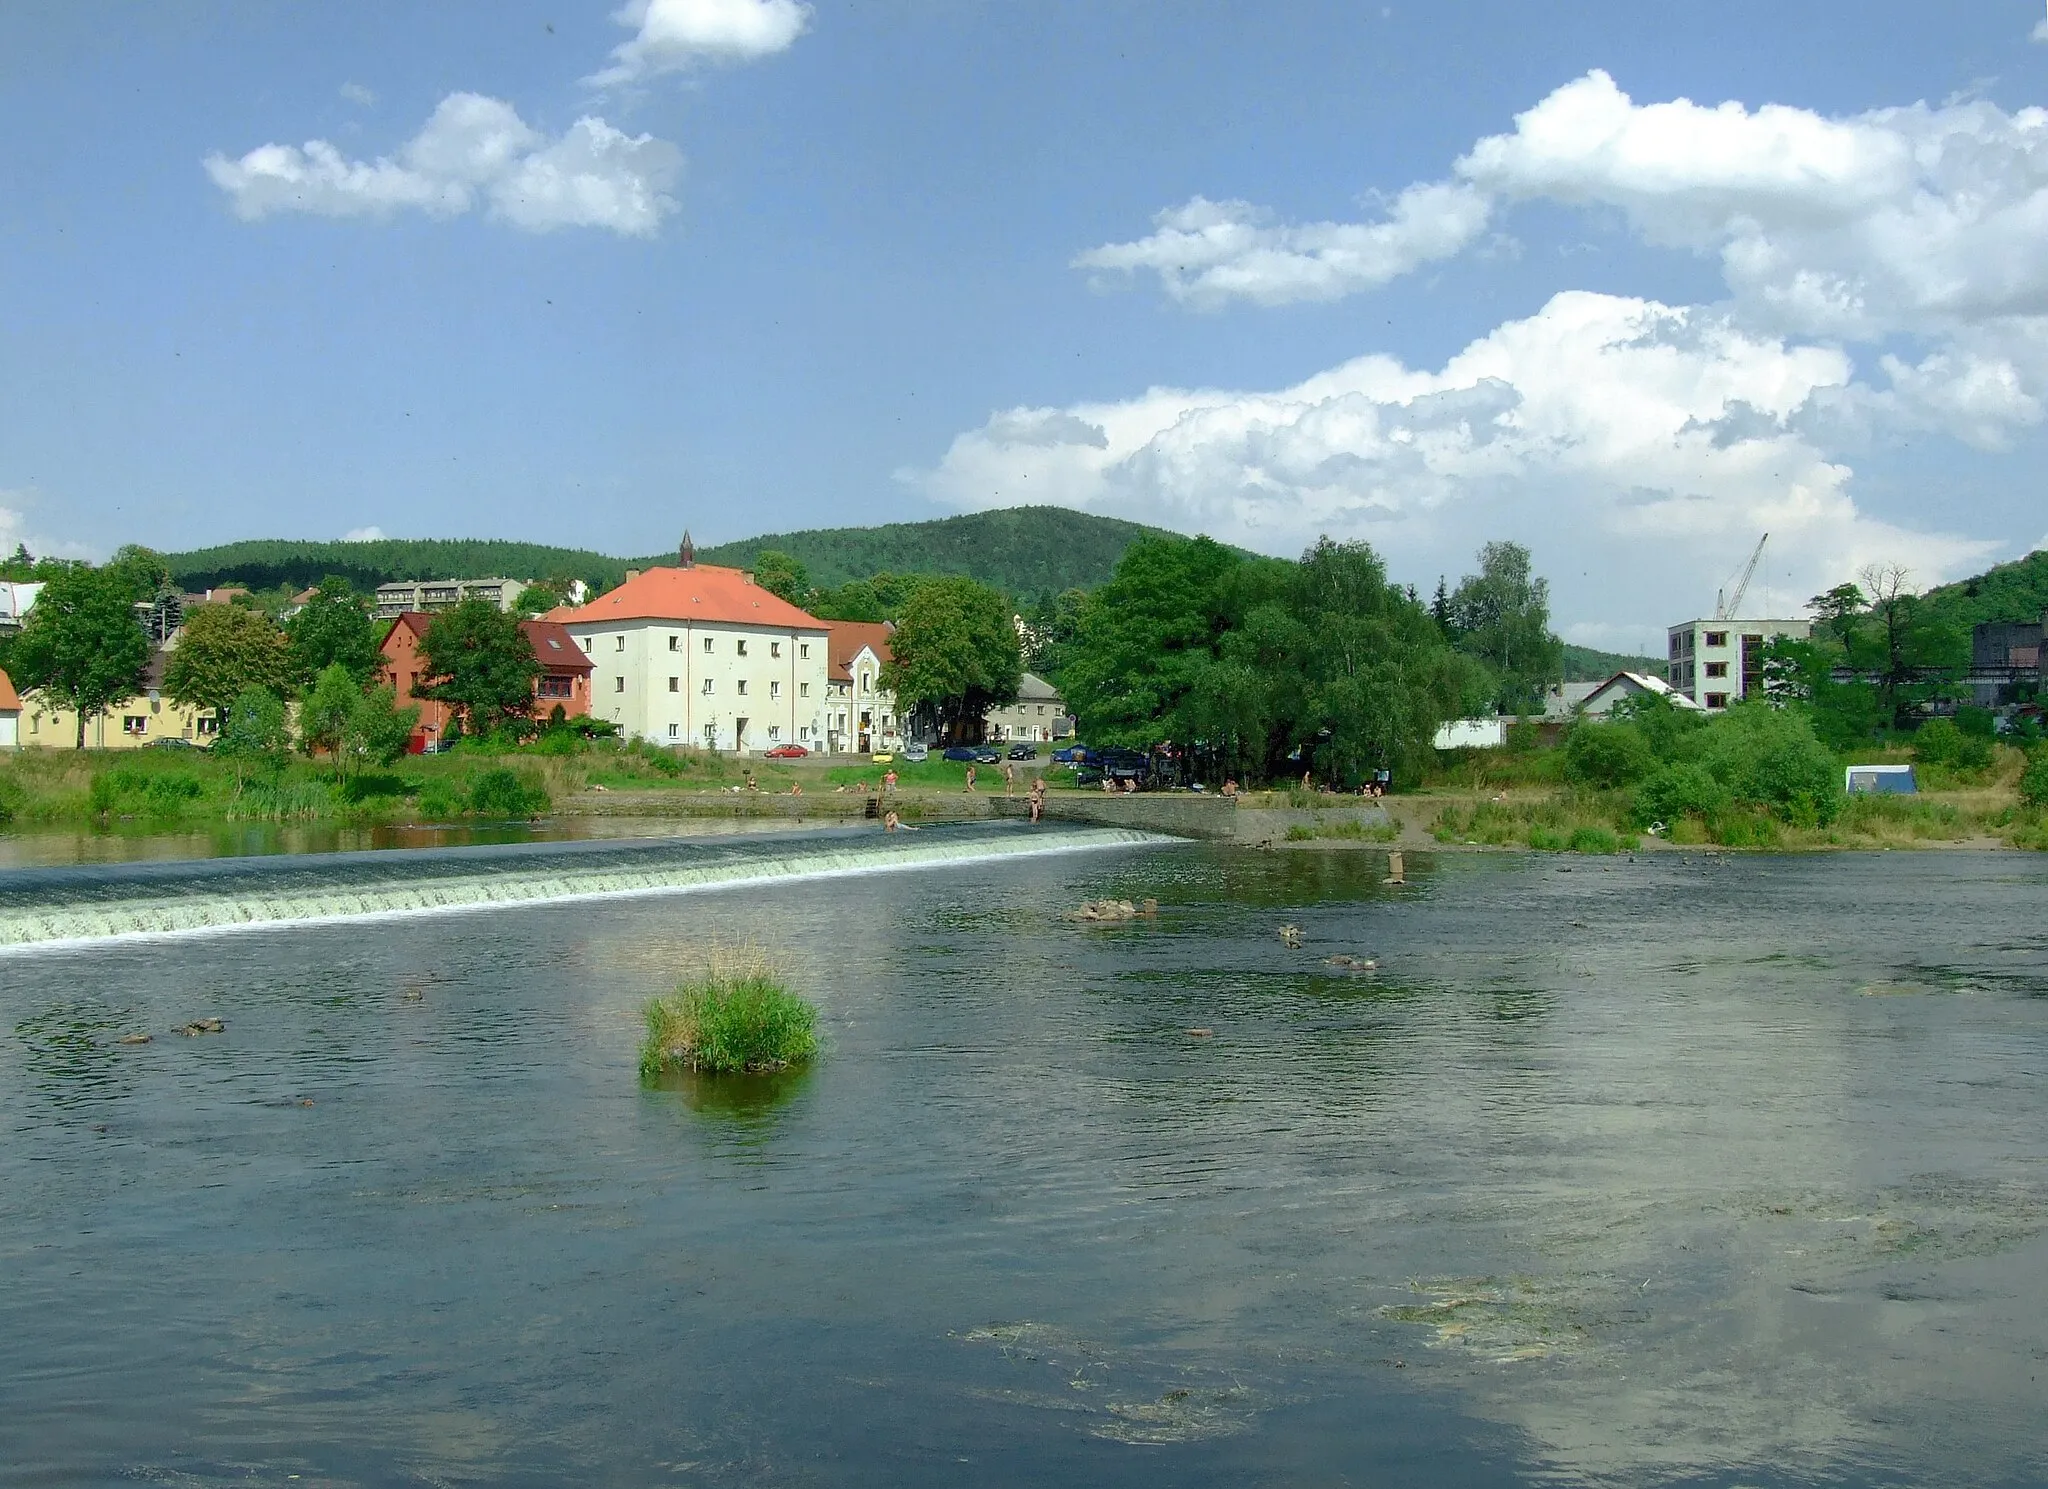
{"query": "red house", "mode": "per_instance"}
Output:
(564, 681)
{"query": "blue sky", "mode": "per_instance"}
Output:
(824, 264)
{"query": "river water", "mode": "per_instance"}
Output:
(1684, 1170)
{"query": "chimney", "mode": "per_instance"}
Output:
(687, 554)
(631, 575)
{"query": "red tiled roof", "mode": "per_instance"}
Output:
(703, 593)
(556, 648)
(10, 701)
(848, 637)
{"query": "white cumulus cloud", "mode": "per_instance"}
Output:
(1639, 447)
(473, 152)
(371, 534)
(1206, 253)
(673, 35)
(356, 93)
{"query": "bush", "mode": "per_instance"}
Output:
(1679, 791)
(734, 1018)
(1940, 742)
(503, 793)
(1769, 756)
(2034, 783)
(1593, 840)
(1607, 755)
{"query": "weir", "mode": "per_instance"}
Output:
(51, 908)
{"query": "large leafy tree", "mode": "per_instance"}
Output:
(956, 655)
(335, 628)
(222, 652)
(779, 574)
(477, 659)
(81, 644)
(352, 727)
(1501, 616)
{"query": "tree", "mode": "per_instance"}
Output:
(955, 656)
(355, 728)
(779, 574)
(335, 628)
(1907, 645)
(539, 597)
(478, 659)
(222, 652)
(81, 644)
(255, 737)
(1501, 615)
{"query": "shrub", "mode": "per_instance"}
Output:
(1593, 840)
(1679, 791)
(733, 1018)
(2034, 783)
(1548, 840)
(1769, 756)
(503, 793)
(1607, 755)
(1940, 742)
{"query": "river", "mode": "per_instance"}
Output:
(1682, 1170)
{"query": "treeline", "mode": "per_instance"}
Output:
(266, 564)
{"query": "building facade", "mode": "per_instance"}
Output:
(564, 682)
(1039, 715)
(1719, 662)
(860, 714)
(10, 715)
(129, 725)
(394, 600)
(701, 655)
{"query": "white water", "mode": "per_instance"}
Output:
(159, 909)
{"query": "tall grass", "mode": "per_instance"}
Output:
(736, 1015)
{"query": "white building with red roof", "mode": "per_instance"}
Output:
(860, 714)
(701, 655)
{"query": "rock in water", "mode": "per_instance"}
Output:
(133, 1039)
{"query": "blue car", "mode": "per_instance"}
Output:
(967, 753)
(1073, 755)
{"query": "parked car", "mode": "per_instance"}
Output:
(786, 752)
(881, 757)
(988, 756)
(173, 743)
(968, 754)
(916, 753)
(1024, 752)
(1127, 765)
(1087, 775)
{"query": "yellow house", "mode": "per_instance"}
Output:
(141, 720)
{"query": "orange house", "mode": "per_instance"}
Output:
(564, 681)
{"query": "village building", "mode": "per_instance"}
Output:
(1718, 662)
(701, 655)
(1618, 689)
(10, 715)
(564, 682)
(860, 714)
(144, 719)
(429, 595)
(17, 598)
(1039, 715)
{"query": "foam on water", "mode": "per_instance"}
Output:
(71, 908)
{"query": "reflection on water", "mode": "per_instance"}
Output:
(1617, 1173)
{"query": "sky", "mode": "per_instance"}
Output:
(1632, 285)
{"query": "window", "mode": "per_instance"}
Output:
(619, 643)
(707, 643)
(1716, 638)
(803, 690)
(675, 643)
(803, 733)
(135, 723)
(775, 690)
(867, 683)
(1674, 644)
(740, 687)
(618, 685)
(740, 647)
(707, 684)
(710, 736)
(803, 650)
(1717, 700)
(1717, 669)
(774, 733)
(675, 684)
(675, 731)
(557, 687)
(209, 724)
(775, 648)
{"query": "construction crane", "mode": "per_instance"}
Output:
(1728, 607)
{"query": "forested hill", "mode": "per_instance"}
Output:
(1583, 664)
(1030, 552)
(2017, 591)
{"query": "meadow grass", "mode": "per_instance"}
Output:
(735, 1015)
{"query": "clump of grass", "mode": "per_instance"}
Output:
(1351, 828)
(737, 1015)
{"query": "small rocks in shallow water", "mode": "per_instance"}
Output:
(1351, 963)
(133, 1039)
(1201, 1033)
(1291, 935)
(202, 1026)
(413, 995)
(1114, 910)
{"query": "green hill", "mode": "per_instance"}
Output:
(1030, 552)
(2016, 592)
(1583, 664)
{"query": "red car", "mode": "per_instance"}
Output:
(786, 752)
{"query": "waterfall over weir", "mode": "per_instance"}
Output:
(49, 908)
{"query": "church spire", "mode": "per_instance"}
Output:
(688, 552)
